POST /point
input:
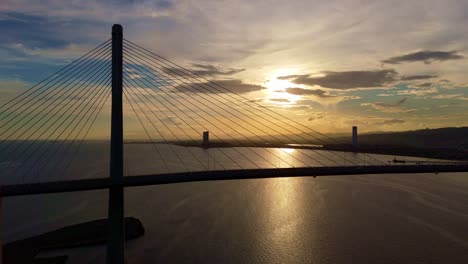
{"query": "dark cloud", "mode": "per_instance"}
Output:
(346, 80)
(423, 85)
(301, 91)
(202, 70)
(219, 86)
(425, 56)
(390, 122)
(417, 77)
(397, 104)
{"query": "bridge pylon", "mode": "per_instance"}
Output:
(116, 224)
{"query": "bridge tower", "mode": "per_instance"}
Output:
(116, 224)
(355, 137)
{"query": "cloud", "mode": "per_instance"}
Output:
(69, 51)
(423, 85)
(390, 122)
(347, 79)
(390, 108)
(279, 100)
(419, 92)
(302, 91)
(451, 96)
(204, 70)
(417, 77)
(386, 94)
(451, 85)
(420, 89)
(219, 86)
(425, 56)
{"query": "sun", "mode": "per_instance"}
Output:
(276, 91)
(278, 85)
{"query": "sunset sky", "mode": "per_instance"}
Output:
(381, 65)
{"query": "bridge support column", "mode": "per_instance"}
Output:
(116, 228)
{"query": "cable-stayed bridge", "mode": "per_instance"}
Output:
(46, 133)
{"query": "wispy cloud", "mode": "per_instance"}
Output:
(451, 96)
(420, 89)
(390, 107)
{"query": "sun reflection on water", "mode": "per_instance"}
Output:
(288, 150)
(283, 223)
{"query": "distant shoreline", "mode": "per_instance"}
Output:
(450, 153)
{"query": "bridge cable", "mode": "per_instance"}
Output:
(214, 133)
(169, 118)
(242, 126)
(96, 53)
(87, 131)
(191, 85)
(239, 117)
(55, 74)
(37, 113)
(184, 112)
(228, 125)
(129, 82)
(88, 106)
(76, 92)
(79, 108)
(132, 95)
(182, 119)
(209, 82)
(147, 133)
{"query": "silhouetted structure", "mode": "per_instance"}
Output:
(206, 139)
(116, 245)
(355, 137)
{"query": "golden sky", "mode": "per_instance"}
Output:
(381, 65)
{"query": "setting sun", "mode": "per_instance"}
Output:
(277, 88)
(275, 84)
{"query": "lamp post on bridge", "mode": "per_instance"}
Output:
(116, 224)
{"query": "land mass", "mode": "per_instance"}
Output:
(85, 234)
(442, 143)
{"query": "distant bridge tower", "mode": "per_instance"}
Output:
(206, 139)
(355, 137)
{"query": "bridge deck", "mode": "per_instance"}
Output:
(144, 180)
